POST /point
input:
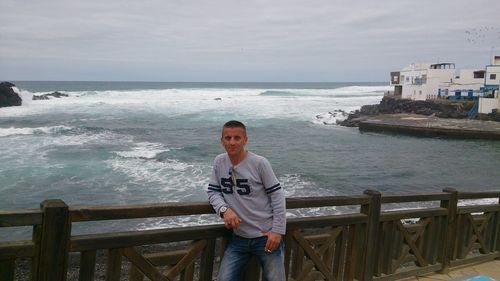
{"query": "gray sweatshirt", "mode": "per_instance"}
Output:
(253, 193)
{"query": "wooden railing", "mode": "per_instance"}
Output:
(362, 244)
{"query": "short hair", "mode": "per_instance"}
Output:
(235, 124)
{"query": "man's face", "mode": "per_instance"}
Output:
(234, 140)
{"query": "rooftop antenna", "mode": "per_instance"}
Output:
(491, 55)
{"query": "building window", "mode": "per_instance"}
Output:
(420, 92)
(479, 74)
(493, 76)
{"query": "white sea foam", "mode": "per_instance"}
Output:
(143, 150)
(300, 104)
(330, 117)
(172, 179)
(4, 132)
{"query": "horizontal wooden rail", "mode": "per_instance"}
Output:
(363, 242)
(404, 198)
(336, 220)
(408, 214)
(326, 201)
(479, 195)
(16, 249)
(20, 217)
(478, 209)
(136, 238)
(95, 213)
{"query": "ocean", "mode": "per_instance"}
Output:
(146, 142)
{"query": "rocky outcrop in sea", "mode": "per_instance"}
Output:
(48, 96)
(438, 108)
(8, 97)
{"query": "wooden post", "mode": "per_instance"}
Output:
(7, 269)
(207, 261)
(55, 234)
(497, 242)
(87, 265)
(372, 210)
(449, 229)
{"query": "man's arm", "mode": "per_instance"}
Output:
(277, 197)
(216, 199)
(214, 191)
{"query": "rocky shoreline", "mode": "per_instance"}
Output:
(438, 108)
(8, 96)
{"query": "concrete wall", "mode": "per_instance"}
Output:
(492, 69)
(429, 87)
(486, 105)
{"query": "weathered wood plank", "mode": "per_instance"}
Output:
(16, 249)
(480, 232)
(326, 201)
(114, 265)
(372, 210)
(207, 261)
(312, 255)
(322, 221)
(476, 259)
(136, 238)
(478, 209)
(427, 250)
(404, 198)
(339, 259)
(165, 258)
(389, 248)
(54, 244)
(20, 217)
(94, 213)
(409, 272)
(411, 244)
(193, 252)
(143, 265)
(479, 235)
(188, 273)
(479, 195)
(135, 274)
(351, 254)
(7, 269)
(408, 214)
(87, 266)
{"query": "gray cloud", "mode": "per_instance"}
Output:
(238, 40)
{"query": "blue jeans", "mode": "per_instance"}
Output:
(240, 250)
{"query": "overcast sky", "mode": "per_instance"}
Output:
(233, 40)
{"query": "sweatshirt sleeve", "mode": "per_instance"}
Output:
(277, 196)
(214, 191)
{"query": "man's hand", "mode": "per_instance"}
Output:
(231, 219)
(273, 241)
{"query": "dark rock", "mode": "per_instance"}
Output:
(390, 105)
(47, 96)
(7, 95)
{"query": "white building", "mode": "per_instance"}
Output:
(421, 81)
(491, 99)
(425, 81)
(467, 84)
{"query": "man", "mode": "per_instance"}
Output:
(244, 191)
